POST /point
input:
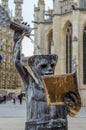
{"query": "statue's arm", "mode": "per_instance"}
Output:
(16, 57)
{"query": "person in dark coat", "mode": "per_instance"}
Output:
(20, 97)
(4, 98)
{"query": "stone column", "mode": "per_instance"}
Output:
(41, 5)
(5, 4)
(56, 5)
(36, 24)
(57, 40)
(18, 10)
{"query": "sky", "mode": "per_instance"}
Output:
(27, 13)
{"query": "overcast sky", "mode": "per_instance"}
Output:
(27, 13)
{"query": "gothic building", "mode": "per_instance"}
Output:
(9, 78)
(62, 30)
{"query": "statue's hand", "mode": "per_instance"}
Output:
(27, 33)
(70, 99)
(18, 34)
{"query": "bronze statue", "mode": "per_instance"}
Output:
(40, 115)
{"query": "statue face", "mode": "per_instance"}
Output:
(43, 64)
(45, 67)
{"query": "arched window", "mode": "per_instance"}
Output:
(84, 55)
(50, 40)
(69, 48)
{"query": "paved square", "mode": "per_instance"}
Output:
(13, 117)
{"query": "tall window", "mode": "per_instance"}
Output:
(50, 40)
(84, 55)
(69, 49)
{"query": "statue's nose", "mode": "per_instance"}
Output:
(50, 68)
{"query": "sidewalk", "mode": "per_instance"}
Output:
(9, 110)
(76, 123)
(13, 117)
(12, 123)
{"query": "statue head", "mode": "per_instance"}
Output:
(43, 64)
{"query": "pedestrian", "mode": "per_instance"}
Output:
(5, 98)
(20, 100)
(14, 99)
(20, 97)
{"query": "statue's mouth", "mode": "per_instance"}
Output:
(49, 73)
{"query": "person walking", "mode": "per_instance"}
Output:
(14, 99)
(20, 98)
(5, 98)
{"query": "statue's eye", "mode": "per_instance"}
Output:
(43, 65)
(52, 65)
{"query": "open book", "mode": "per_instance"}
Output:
(60, 89)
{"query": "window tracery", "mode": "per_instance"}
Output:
(69, 48)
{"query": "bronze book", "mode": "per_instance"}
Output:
(60, 89)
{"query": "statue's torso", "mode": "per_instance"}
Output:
(38, 109)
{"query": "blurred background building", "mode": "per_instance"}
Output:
(62, 31)
(9, 77)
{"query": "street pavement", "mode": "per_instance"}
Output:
(13, 117)
(79, 121)
(13, 110)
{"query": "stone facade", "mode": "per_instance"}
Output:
(9, 77)
(61, 31)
